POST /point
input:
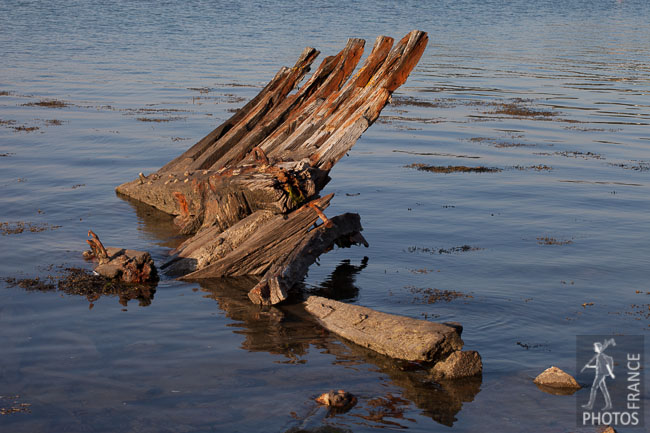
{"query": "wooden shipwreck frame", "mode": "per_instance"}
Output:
(248, 192)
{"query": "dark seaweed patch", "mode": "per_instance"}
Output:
(159, 120)
(436, 154)
(48, 103)
(539, 167)
(201, 90)
(453, 250)
(533, 346)
(398, 101)
(500, 144)
(577, 154)
(390, 119)
(516, 108)
(11, 404)
(432, 295)
(547, 240)
(453, 168)
(23, 128)
(81, 282)
(13, 228)
(636, 166)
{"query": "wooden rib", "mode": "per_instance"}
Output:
(341, 129)
(265, 103)
(184, 161)
(305, 141)
(327, 79)
(297, 129)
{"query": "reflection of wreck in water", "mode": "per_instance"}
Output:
(340, 284)
(265, 329)
(157, 224)
(290, 331)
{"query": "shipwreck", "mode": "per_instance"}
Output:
(248, 192)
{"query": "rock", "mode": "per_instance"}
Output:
(555, 378)
(339, 399)
(395, 336)
(607, 429)
(458, 364)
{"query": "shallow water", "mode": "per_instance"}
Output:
(561, 225)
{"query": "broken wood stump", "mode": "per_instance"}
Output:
(129, 266)
(399, 337)
(248, 192)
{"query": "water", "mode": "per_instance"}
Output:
(200, 357)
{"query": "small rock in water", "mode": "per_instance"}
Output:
(458, 364)
(339, 399)
(554, 377)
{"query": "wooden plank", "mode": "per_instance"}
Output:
(395, 336)
(275, 285)
(271, 242)
(274, 92)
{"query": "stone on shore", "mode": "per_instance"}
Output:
(556, 379)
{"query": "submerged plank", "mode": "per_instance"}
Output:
(395, 336)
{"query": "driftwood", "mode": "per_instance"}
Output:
(399, 337)
(129, 266)
(248, 191)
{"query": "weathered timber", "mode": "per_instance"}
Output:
(129, 266)
(395, 336)
(248, 191)
(272, 241)
(437, 344)
(343, 230)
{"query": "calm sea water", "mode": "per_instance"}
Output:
(552, 245)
